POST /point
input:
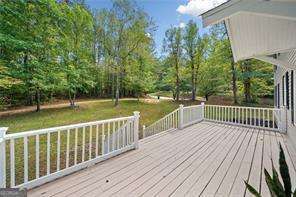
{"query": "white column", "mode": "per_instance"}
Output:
(136, 129)
(202, 110)
(181, 116)
(2, 157)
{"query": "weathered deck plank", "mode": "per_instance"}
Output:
(206, 159)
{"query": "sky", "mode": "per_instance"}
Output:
(167, 13)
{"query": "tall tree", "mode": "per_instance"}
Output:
(173, 46)
(28, 41)
(121, 30)
(76, 58)
(219, 34)
(191, 42)
(246, 79)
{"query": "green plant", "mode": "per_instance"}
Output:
(274, 185)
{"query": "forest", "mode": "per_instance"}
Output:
(65, 50)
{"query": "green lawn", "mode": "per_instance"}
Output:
(149, 112)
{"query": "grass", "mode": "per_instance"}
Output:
(98, 110)
(86, 112)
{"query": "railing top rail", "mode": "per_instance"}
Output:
(162, 118)
(62, 128)
(192, 106)
(232, 106)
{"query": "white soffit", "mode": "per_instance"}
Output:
(276, 8)
(257, 28)
(256, 35)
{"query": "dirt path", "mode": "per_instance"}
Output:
(53, 106)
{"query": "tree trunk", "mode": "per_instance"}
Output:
(247, 81)
(117, 90)
(193, 82)
(234, 79)
(177, 81)
(72, 99)
(247, 90)
(38, 99)
(112, 86)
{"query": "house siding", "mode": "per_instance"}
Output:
(280, 81)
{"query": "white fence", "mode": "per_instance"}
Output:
(266, 118)
(180, 118)
(170, 121)
(29, 159)
(192, 114)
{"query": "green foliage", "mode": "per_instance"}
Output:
(275, 186)
(173, 47)
(59, 48)
(252, 190)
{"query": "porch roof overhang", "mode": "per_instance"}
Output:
(259, 29)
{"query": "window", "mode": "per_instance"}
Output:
(287, 91)
(292, 98)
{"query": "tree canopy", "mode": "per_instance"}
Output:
(61, 49)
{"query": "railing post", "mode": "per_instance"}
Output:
(283, 118)
(203, 110)
(136, 129)
(181, 116)
(144, 132)
(2, 157)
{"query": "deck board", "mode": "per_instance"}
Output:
(255, 173)
(141, 180)
(206, 159)
(232, 171)
(227, 167)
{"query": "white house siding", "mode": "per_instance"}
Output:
(279, 73)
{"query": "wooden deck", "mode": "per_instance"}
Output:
(206, 159)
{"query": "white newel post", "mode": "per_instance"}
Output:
(136, 129)
(144, 132)
(181, 116)
(283, 115)
(2, 157)
(202, 110)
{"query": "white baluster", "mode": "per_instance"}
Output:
(37, 156)
(12, 164)
(2, 157)
(68, 148)
(48, 154)
(58, 150)
(26, 170)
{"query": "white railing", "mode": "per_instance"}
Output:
(29, 159)
(170, 121)
(267, 118)
(180, 118)
(192, 114)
